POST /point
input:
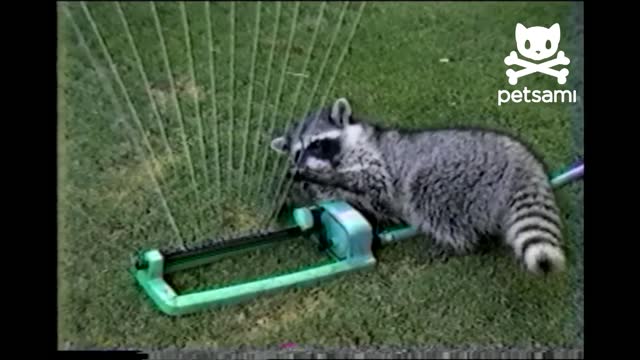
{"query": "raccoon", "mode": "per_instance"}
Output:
(457, 186)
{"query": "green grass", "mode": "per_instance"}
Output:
(392, 71)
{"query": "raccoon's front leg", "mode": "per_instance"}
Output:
(358, 184)
(327, 179)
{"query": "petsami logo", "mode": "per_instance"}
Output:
(539, 45)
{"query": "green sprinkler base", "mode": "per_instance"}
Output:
(347, 237)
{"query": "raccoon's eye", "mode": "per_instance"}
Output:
(314, 146)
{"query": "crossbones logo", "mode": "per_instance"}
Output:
(537, 43)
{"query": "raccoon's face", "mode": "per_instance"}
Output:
(317, 141)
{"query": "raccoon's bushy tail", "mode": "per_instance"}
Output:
(534, 228)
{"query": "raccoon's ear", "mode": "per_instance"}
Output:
(341, 112)
(279, 144)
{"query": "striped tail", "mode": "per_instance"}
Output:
(534, 229)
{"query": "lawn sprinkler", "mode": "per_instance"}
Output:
(337, 229)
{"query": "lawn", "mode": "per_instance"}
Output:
(201, 167)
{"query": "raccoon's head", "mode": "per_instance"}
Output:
(317, 141)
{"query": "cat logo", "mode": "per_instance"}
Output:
(537, 43)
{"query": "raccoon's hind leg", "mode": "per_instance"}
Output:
(448, 239)
(533, 228)
(442, 215)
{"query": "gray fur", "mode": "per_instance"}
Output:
(457, 186)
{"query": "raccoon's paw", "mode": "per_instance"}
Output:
(290, 173)
(299, 176)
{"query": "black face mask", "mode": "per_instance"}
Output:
(325, 149)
